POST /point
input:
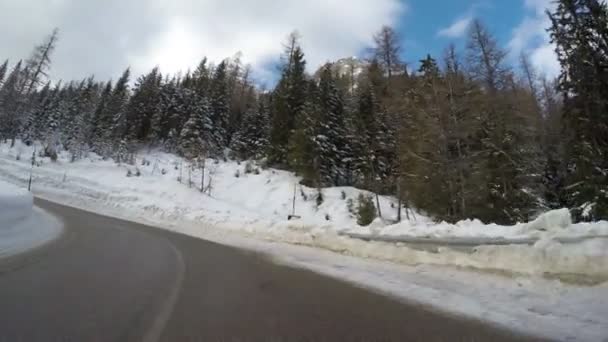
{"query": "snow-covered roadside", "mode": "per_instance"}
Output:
(23, 227)
(531, 304)
(257, 203)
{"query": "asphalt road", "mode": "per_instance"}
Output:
(111, 280)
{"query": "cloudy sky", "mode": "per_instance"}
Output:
(103, 37)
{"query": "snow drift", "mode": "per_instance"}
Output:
(15, 204)
(23, 227)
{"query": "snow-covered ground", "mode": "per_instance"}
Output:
(22, 227)
(521, 291)
(256, 202)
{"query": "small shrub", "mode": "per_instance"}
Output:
(350, 205)
(303, 194)
(366, 210)
(249, 167)
(320, 198)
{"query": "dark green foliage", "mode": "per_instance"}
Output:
(287, 102)
(366, 210)
(251, 140)
(577, 28)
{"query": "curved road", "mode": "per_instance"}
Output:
(111, 280)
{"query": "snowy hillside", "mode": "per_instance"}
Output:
(162, 188)
(249, 210)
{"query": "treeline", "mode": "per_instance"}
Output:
(461, 136)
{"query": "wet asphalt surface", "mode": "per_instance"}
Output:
(112, 280)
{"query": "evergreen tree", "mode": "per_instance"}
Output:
(288, 100)
(332, 145)
(501, 139)
(191, 142)
(142, 107)
(116, 110)
(10, 102)
(302, 148)
(102, 121)
(3, 69)
(251, 141)
(579, 32)
(220, 109)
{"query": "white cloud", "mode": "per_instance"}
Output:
(458, 28)
(532, 38)
(104, 37)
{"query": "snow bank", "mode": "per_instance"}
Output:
(554, 224)
(21, 226)
(15, 204)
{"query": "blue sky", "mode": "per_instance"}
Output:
(430, 26)
(420, 24)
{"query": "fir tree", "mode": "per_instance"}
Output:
(116, 110)
(220, 109)
(251, 141)
(10, 102)
(3, 69)
(579, 31)
(288, 100)
(142, 107)
(332, 145)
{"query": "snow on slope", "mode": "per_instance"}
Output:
(256, 205)
(21, 226)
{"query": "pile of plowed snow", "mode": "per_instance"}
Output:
(22, 227)
(15, 204)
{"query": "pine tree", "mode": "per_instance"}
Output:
(84, 106)
(501, 140)
(220, 109)
(288, 100)
(102, 122)
(191, 142)
(251, 141)
(40, 62)
(115, 110)
(579, 32)
(32, 127)
(11, 99)
(3, 69)
(202, 78)
(302, 149)
(331, 140)
(142, 107)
